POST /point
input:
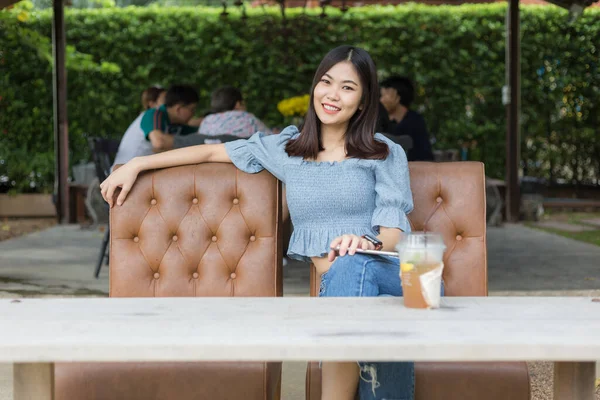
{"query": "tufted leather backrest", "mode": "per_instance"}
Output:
(459, 189)
(198, 230)
(460, 218)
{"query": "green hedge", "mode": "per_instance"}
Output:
(456, 55)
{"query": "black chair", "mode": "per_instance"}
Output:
(103, 151)
(196, 138)
(403, 140)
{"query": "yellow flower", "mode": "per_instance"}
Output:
(23, 16)
(294, 106)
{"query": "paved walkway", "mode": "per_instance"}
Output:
(521, 261)
(61, 260)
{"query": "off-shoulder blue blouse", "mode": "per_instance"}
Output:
(329, 199)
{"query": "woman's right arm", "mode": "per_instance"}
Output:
(125, 176)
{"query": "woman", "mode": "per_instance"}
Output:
(228, 116)
(153, 97)
(344, 182)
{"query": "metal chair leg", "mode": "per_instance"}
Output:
(102, 253)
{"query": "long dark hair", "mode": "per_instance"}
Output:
(360, 140)
(151, 94)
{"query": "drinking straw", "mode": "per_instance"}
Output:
(435, 208)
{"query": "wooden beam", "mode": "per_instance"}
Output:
(574, 380)
(513, 137)
(6, 3)
(33, 381)
(61, 133)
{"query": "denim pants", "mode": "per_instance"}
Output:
(363, 275)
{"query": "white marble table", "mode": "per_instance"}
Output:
(36, 333)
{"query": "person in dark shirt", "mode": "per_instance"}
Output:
(383, 120)
(397, 94)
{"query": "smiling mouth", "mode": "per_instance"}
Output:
(330, 109)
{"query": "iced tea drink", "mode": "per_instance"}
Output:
(421, 284)
(421, 269)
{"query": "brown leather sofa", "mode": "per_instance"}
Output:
(204, 230)
(460, 188)
(211, 230)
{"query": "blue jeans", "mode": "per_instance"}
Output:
(363, 275)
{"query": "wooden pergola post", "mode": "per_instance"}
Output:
(513, 108)
(61, 132)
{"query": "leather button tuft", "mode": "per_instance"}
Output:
(252, 238)
(156, 275)
(153, 202)
(214, 238)
(236, 201)
(136, 239)
(233, 275)
(439, 199)
(459, 238)
(175, 238)
(195, 200)
(195, 275)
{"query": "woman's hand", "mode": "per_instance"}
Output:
(348, 244)
(124, 177)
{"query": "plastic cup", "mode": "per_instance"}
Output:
(421, 266)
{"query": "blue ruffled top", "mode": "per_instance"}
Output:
(329, 199)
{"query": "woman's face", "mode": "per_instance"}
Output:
(184, 113)
(337, 95)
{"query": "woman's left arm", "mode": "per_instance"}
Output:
(393, 197)
(393, 200)
(389, 237)
(349, 243)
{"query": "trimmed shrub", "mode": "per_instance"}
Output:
(454, 53)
